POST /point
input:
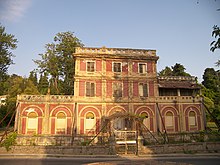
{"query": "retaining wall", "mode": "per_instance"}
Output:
(202, 147)
(205, 147)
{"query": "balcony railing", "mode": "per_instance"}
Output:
(46, 98)
(104, 50)
(71, 98)
(177, 78)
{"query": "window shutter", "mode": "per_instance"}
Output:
(169, 119)
(145, 94)
(92, 66)
(192, 118)
(140, 90)
(140, 68)
(87, 89)
(92, 90)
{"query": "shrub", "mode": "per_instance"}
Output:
(9, 141)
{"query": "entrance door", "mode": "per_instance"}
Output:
(126, 142)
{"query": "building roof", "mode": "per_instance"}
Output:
(181, 82)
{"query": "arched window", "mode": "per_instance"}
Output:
(61, 123)
(32, 122)
(146, 119)
(90, 121)
(192, 118)
(169, 119)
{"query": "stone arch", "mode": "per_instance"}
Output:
(56, 126)
(93, 109)
(194, 108)
(174, 111)
(149, 121)
(116, 109)
(83, 122)
(169, 108)
(30, 108)
(198, 118)
(59, 108)
(27, 120)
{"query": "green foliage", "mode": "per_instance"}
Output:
(211, 93)
(33, 77)
(85, 143)
(179, 70)
(15, 85)
(8, 43)
(19, 85)
(215, 44)
(3, 86)
(43, 84)
(211, 79)
(58, 62)
(176, 70)
(166, 72)
(3, 112)
(9, 141)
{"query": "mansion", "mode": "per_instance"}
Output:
(111, 81)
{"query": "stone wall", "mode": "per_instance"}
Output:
(180, 148)
(59, 150)
(188, 148)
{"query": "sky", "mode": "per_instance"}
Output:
(179, 30)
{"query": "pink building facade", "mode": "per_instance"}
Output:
(109, 81)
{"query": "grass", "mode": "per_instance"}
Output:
(212, 126)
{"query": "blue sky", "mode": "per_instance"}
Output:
(180, 30)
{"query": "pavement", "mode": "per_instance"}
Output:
(150, 156)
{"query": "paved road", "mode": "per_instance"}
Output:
(112, 161)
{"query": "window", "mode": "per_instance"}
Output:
(90, 121)
(90, 66)
(117, 67)
(142, 68)
(146, 120)
(143, 90)
(169, 119)
(90, 89)
(32, 122)
(61, 123)
(192, 118)
(117, 90)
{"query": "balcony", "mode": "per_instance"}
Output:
(176, 99)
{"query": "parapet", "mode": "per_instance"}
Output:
(115, 51)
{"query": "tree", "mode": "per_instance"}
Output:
(58, 62)
(3, 86)
(16, 85)
(166, 72)
(43, 84)
(216, 34)
(33, 77)
(7, 43)
(211, 79)
(215, 44)
(179, 70)
(176, 70)
(211, 93)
